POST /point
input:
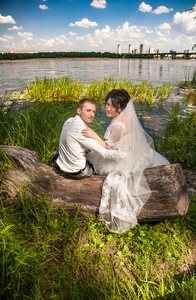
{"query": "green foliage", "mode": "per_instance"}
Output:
(61, 55)
(179, 139)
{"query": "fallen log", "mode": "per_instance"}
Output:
(169, 197)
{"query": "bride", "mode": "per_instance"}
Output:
(125, 189)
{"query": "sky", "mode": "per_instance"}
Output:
(96, 25)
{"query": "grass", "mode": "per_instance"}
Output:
(49, 254)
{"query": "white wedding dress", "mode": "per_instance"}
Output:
(125, 189)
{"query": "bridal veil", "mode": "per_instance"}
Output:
(125, 189)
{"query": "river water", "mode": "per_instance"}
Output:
(15, 74)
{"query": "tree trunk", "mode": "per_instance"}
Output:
(169, 197)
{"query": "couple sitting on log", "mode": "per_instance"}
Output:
(127, 150)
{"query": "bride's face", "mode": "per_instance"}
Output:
(110, 110)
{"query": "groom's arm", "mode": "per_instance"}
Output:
(91, 144)
(89, 133)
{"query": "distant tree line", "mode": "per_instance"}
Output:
(34, 55)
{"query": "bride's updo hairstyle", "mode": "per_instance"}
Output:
(119, 98)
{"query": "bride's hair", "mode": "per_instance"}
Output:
(119, 97)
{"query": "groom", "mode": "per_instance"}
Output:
(73, 144)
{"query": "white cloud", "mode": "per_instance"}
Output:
(148, 31)
(90, 40)
(164, 27)
(184, 22)
(127, 32)
(25, 34)
(182, 41)
(54, 42)
(111, 37)
(49, 43)
(79, 38)
(7, 20)
(44, 7)
(72, 33)
(15, 28)
(105, 32)
(2, 39)
(25, 44)
(61, 39)
(29, 38)
(8, 37)
(160, 34)
(179, 43)
(161, 10)
(145, 7)
(99, 3)
(85, 23)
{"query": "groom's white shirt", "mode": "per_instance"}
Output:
(73, 146)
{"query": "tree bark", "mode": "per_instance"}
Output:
(169, 197)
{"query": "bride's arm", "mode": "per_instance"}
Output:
(116, 133)
(88, 132)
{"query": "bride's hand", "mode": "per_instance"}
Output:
(88, 132)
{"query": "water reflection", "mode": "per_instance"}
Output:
(140, 66)
(160, 70)
(119, 66)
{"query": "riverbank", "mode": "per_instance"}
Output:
(111, 55)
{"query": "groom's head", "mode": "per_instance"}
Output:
(86, 110)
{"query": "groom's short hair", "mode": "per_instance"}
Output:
(119, 97)
(81, 102)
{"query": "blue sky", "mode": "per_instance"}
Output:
(96, 25)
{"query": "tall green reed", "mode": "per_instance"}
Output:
(57, 89)
(64, 89)
(36, 127)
